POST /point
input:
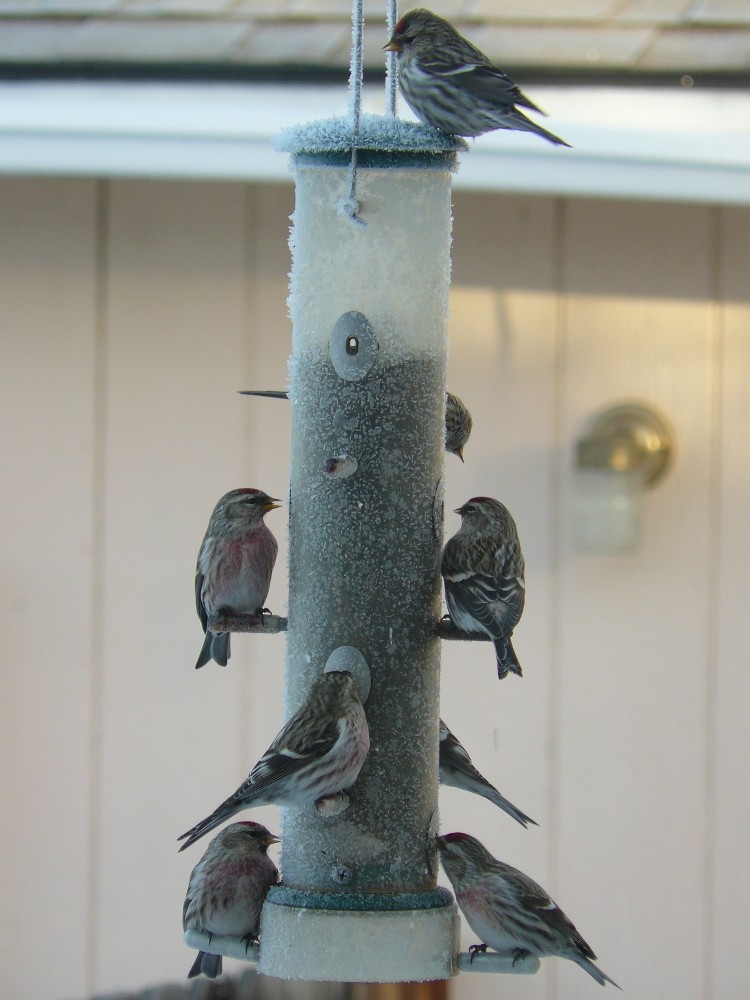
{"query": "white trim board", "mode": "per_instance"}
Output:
(665, 144)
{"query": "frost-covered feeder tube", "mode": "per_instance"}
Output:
(367, 381)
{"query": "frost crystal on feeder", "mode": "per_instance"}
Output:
(395, 273)
(385, 135)
(367, 388)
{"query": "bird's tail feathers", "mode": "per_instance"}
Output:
(526, 102)
(208, 964)
(216, 647)
(221, 648)
(223, 812)
(593, 970)
(501, 802)
(524, 124)
(205, 654)
(507, 661)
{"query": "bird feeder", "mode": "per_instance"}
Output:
(368, 302)
(367, 387)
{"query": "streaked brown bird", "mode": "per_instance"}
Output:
(227, 888)
(318, 753)
(483, 571)
(508, 910)
(235, 563)
(457, 770)
(450, 84)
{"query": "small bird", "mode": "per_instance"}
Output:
(483, 569)
(450, 84)
(458, 425)
(318, 753)
(227, 888)
(507, 909)
(234, 567)
(458, 420)
(457, 770)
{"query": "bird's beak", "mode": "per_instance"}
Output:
(271, 839)
(460, 453)
(272, 504)
(439, 842)
(393, 46)
(459, 510)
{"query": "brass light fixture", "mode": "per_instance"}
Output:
(623, 450)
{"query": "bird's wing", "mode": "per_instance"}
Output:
(454, 753)
(491, 84)
(188, 898)
(199, 606)
(301, 741)
(535, 900)
(451, 745)
(479, 77)
(496, 603)
(512, 593)
(457, 760)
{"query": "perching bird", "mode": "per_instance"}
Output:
(483, 569)
(227, 888)
(507, 909)
(450, 84)
(235, 563)
(457, 770)
(458, 424)
(457, 418)
(317, 754)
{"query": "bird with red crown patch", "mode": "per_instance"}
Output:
(483, 572)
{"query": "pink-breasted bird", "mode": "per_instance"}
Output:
(508, 910)
(318, 753)
(450, 84)
(227, 888)
(457, 770)
(235, 564)
(483, 571)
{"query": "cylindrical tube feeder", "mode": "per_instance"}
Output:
(367, 387)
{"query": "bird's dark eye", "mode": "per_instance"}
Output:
(470, 509)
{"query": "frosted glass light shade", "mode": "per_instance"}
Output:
(607, 510)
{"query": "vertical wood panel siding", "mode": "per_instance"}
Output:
(48, 331)
(130, 313)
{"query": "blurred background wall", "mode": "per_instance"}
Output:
(130, 313)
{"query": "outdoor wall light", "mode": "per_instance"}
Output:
(622, 451)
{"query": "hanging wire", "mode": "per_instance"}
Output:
(350, 206)
(391, 73)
